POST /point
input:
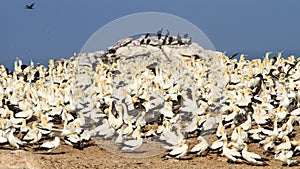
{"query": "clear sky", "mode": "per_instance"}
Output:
(58, 28)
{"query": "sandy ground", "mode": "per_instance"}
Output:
(96, 157)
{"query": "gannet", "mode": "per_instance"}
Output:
(220, 126)
(286, 145)
(268, 145)
(251, 157)
(133, 144)
(3, 138)
(50, 145)
(295, 112)
(231, 153)
(14, 141)
(285, 157)
(202, 147)
(33, 135)
(29, 6)
(78, 140)
(25, 114)
(280, 113)
(247, 124)
(287, 128)
(159, 33)
(216, 145)
(63, 132)
(13, 120)
(179, 150)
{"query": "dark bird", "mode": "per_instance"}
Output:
(166, 37)
(189, 42)
(23, 67)
(292, 67)
(185, 35)
(179, 39)
(147, 35)
(112, 50)
(142, 41)
(234, 55)
(168, 33)
(29, 6)
(170, 40)
(148, 41)
(164, 41)
(159, 33)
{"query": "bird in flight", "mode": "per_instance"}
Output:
(29, 6)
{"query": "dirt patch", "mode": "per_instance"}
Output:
(97, 157)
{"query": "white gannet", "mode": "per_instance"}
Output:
(25, 114)
(179, 150)
(202, 147)
(14, 141)
(251, 157)
(286, 145)
(287, 128)
(50, 145)
(14, 121)
(268, 144)
(231, 153)
(33, 135)
(247, 124)
(3, 138)
(216, 145)
(285, 157)
(131, 145)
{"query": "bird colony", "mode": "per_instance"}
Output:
(161, 88)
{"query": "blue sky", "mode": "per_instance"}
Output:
(58, 28)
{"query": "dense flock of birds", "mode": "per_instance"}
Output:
(37, 106)
(258, 104)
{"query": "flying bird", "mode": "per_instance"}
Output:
(29, 6)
